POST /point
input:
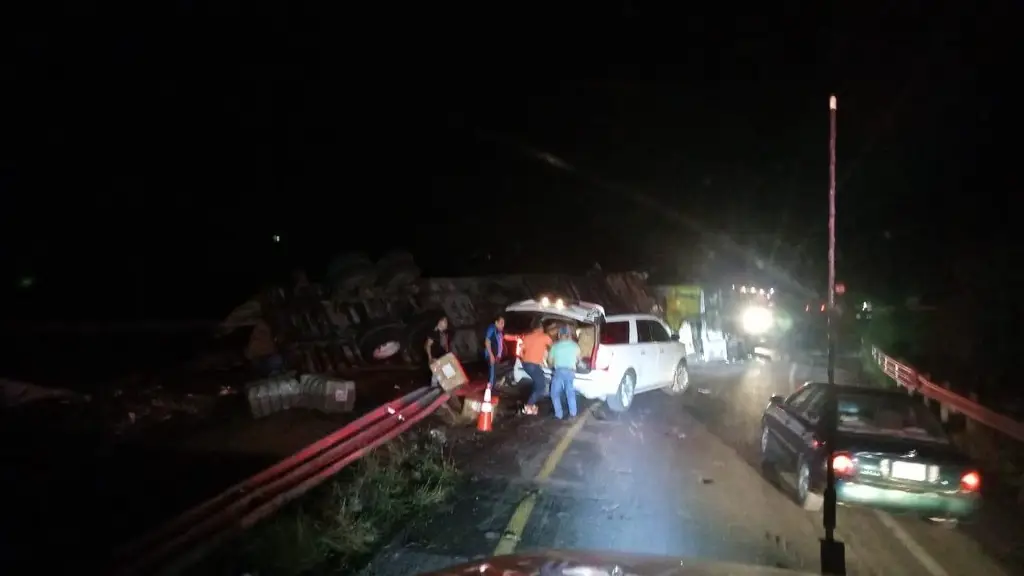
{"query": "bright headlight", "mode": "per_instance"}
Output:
(757, 320)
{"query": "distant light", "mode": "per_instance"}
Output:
(771, 290)
(545, 301)
(756, 320)
(277, 238)
(743, 289)
(559, 304)
(26, 282)
(761, 291)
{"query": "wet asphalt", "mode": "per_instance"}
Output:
(675, 476)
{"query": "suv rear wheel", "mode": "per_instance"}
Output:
(623, 397)
(680, 380)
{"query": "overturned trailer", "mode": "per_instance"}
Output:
(382, 319)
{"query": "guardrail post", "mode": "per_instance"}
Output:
(943, 409)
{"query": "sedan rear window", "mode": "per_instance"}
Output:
(894, 415)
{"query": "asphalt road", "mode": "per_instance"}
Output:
(673, 476)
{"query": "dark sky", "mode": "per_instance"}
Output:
(152, 149)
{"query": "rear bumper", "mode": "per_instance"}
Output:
(594, 385)
(940, 504)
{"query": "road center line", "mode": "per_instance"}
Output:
(514, 530)
(916, 550)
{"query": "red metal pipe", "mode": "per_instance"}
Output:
(270, 506)
(206, 509)
(281, 499)
(222, 517)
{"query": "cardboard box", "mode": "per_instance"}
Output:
(448, 371)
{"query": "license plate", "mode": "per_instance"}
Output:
(909, 471)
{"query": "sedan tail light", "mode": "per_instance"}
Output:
(842, 464)
(970, 482)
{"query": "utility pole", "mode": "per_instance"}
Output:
(833, 555)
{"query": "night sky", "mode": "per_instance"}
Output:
(152, 150)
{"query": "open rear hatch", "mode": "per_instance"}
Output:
(583, 317)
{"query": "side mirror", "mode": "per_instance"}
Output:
(776, 400)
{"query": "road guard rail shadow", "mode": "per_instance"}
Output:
(187, 538)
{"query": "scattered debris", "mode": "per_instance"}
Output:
(312, 391)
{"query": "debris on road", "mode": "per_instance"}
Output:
(323, 393)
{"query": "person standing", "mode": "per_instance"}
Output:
(494, 343)
(535, 349)
(437, 343)
(563, 358)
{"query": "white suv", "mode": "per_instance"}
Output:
(623, 354)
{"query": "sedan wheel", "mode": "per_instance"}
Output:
(807, 499)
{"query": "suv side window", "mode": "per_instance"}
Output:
(658, 331)
(644, 334)
(615, 332)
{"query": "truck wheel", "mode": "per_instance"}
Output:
(623, 397)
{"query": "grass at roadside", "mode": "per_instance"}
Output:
(337, 527)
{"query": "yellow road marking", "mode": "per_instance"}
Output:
(514, 530)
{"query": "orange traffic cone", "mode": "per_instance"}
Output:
(486, 417)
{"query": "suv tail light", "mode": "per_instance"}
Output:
(842, 464)
(519, 343)
(970, 482)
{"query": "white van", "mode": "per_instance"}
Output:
(623, 355)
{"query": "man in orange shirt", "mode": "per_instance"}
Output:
(535, 349)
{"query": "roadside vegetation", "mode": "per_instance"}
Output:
(336, 528)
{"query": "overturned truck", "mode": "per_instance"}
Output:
(368, 314)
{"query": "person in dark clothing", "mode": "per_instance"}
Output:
(494, 344)
(437, 343)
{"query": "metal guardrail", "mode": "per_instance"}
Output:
(185, 539)
(909, 378)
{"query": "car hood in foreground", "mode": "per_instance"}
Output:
(577, 563)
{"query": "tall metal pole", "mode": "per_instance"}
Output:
(833, 557)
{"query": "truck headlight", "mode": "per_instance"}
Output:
(757, 320)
